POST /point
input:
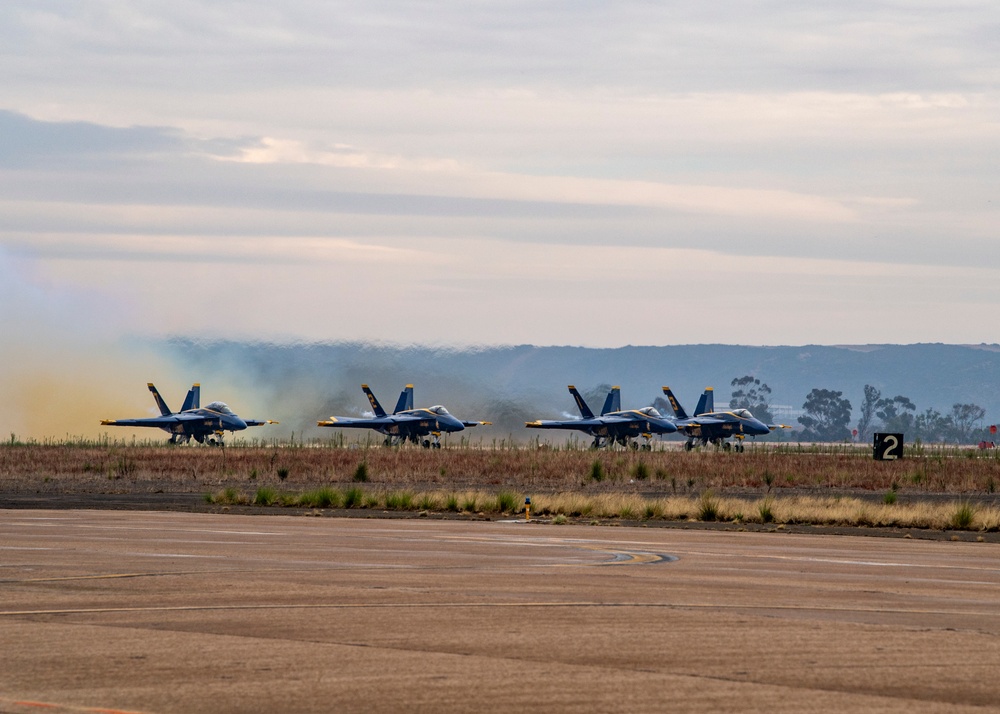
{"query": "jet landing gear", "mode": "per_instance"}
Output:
(718, 443)
(436, 443)
(629, 443)
(625, 442)
(736, 446)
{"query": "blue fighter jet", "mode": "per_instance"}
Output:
(614, 425)
(405, 423)
(204, 424)
(710, 426)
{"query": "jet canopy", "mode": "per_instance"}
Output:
(439, 410)
(220, 407)
(744, 413)
(650, 412)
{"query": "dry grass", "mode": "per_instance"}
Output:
(827, 511)
(673, 471)
(760, 486)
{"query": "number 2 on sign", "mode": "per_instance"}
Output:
(891, 444)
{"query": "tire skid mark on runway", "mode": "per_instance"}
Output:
(233, 571)
(498, 605)
(623, 557)
(165, 528)
(58, 707)
(107, 576)
(836, 561)
(24, 547)
(619, 556)
(177, 555)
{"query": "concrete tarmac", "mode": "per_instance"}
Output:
(179, 612)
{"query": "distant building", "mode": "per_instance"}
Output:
(786, 414)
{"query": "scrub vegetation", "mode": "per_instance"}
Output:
(766, 485)
(559, 507)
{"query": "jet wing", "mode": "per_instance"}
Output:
(387, 422)
(772, 427)
(351, 423)
(579, 424)
(407, 421)
(163, 421)
(703, 421)
(476, 423)
(157, 422)
(259, 422)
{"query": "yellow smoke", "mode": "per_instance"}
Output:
(51, 391)
(63, 364)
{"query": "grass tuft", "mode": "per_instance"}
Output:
(708, 507)
(597, 471)
(963, 516)
(353, 497)
(765, 509)
(324, 497)
(507, 502)
(229, 496)
(399, 500)
(265, 496)
(640, 472)
(361, 473)
(429, 502)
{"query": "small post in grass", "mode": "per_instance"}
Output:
(527, 508)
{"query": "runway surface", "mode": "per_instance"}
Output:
(174, 612)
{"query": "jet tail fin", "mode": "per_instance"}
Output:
(164, 409)
(193, 399)
(379, 411)
(581, 405)
(674, 404)
(706, 404)
(614, 401)
(405, 402)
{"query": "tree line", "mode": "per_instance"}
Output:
(827, 415)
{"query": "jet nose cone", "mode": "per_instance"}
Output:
(667, 426)
(455, 424)
(239, 424)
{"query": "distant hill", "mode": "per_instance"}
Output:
(301, 383)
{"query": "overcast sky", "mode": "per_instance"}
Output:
(590, 173)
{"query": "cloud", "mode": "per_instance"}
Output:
(28, 142)
(682, 46)
(157, 195)
(509, 155)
